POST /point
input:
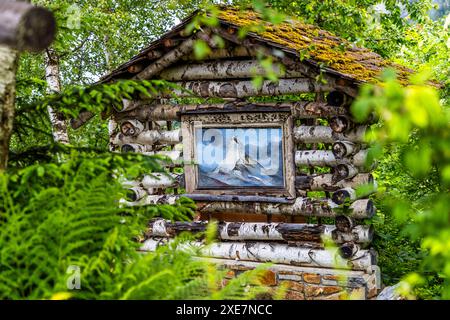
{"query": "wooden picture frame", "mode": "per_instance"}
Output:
(248, 182)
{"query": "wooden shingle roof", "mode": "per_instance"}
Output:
(312, 45)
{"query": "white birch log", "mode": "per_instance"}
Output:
(259, 231)
(360, 209)
(246, 88)
(360, 234)
(324, 134)
(150, 200)
(312, 158)
(167, 59)
(349, 194)
(136, 193)
(52, 76)
(228, 69)
(175, 156)
(8, 68)
(275, 253)
(161, 180)
(151, 137)
(325, 182)
(26, 27)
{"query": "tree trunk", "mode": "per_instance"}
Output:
(59, 124)
(324, 182)
(274, 253)
(324, 134)
(26, 27)
(228, 69)
(8, 68)
(258, 231)
(246, 88)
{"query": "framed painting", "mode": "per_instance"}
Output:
(239, 154)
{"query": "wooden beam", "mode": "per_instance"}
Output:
(167, 59)
(150, 137)
(324, 134)
(161, 180)
(147, 111)
(26, 27)
(360, 209)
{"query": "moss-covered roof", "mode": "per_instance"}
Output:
(317, 45)
(312, 45)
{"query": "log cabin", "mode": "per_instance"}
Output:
(280, 164)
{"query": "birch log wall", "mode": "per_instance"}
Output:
(326, 159)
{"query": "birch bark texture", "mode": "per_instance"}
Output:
(273, 252)
(52, 76)
(8, 67)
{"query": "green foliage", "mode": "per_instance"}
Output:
(414, 177)
(53, 216)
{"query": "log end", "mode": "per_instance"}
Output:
(127, 148)
(339, 124)
(341, 196)
(347, 250)
(343, 223)
(336, 98)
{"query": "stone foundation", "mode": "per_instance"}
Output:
(306, 283)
